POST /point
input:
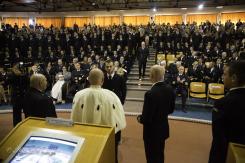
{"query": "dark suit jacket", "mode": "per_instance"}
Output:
(159, 102)
(143, 54)
(227, 124)
(118, 85)
(38, 104)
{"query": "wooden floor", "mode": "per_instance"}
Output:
(188, 143)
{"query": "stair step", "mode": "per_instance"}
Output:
(136, 78)
(143, 87)
(137, 75)
(150, 60)
(136, 71)
(135, 99)
(135, 94)
(137, 89)
(139, 83)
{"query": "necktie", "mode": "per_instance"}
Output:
(109, 77)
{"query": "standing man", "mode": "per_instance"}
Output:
(159, 102)
(114, 82)
(228, 114)
(99, 106)
(36, 102)
(19, 84)
(143, 53)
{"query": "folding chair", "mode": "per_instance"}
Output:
(215, 91)
(197, 90)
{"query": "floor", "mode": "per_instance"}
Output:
(189, 142)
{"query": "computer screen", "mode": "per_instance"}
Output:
(48, 149)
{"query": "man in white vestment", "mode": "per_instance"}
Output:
(96, 105)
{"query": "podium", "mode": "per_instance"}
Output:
(96, 143)
(236, 153)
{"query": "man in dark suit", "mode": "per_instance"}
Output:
(36, 102)
(181, 84)
(19, 84)
(228, 114)
(116, 84)
(159, 102)
(143, 53)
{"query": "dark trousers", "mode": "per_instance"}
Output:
(142, 64)
(218, 152)
(117, 140)
(183, 93)
(17, 109)
(154, 151)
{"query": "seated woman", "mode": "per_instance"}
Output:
(56, 91)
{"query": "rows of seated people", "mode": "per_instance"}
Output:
(202, 50)
(69, 52)
(194, 53)
(73, 51)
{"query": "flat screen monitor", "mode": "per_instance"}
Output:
(47, 148)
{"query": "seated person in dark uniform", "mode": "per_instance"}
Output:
(195, 72)
(181, 83)
(78, 77)
(211, 74)
(36, 102)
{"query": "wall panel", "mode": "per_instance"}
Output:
(199, 18)
(172, 19)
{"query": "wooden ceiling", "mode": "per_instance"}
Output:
(100, 5)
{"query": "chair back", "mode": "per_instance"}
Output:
(216, 88)
(197, 90)
(215, 91)
(160, 57)
(170, 57)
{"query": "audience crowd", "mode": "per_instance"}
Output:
(66, 55)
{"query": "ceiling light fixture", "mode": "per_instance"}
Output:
(219, 7)
(200, 7)
(154, 9)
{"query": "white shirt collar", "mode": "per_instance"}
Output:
(237, 88)
(111, 75)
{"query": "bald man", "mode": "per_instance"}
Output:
(159, 102)
(96, 105)
(36, 102)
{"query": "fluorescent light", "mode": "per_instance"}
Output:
(154, 9)
(219, 7)
(200, 7)
(183, 8)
